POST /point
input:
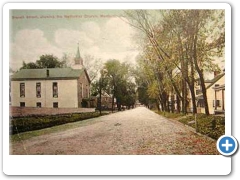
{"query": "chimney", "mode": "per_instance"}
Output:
(47, 72)
(216, 73)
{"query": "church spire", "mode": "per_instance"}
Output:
(78, 59)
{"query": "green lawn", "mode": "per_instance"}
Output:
(212, 126)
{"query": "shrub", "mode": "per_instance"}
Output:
(212, 126)
(24, 124)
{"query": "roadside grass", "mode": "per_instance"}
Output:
(74, 121)
(170, 115)
(211, 126)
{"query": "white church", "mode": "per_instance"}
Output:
(51, 87)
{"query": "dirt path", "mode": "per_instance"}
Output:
(136, 131)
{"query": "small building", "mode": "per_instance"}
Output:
(215, 93)
(106, 101)
(51, 87)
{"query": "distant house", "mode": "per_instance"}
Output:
(52, 87)
(215, 94)
(106, 101)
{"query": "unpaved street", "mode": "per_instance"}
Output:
(136, 131)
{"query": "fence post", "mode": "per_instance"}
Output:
(196, 124)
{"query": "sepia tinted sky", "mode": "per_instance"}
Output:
(101, 33)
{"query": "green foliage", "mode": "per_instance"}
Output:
(95, 88)
(212, 126)
(24, 124)
(153, 90)
(177, 46)
(45, 61)
(116, 79)
(143, 95)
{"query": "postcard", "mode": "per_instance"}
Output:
(117, 89)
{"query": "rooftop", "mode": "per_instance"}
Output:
(49, 73)
(215, 79)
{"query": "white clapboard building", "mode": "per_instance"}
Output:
(51, 87)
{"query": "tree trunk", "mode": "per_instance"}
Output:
(157, 104)
(200, 73)
(184, 95)
(113, 98)
(100, 97)
(204, 92)
(167, 103)
(118, 105)
(192, 90)
(172, 104)
(178, 105)
(164, 101)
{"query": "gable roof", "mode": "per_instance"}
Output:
(214, 80)
(54, 73)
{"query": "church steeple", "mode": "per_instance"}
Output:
(78, 60)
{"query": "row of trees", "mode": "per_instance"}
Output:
(116, 79)
(178, 47)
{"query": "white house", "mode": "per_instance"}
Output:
(52, 87)
(215, 94)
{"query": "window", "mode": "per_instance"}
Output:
(217, 103)
(22, 89)
(55, 89)
(86, 93)
(38, 90)
(39, 104)
(81, 90)
(200, 103)
(55, 104)
(22, 104)
(198, 91)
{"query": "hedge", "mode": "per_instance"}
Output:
(24, 124)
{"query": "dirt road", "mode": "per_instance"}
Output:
(136, 131)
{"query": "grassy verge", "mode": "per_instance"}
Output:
(26, 127)
(211, 126)
(30, 134)
(169, 115)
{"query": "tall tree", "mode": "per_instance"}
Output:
(141, 20)
(120, 83)
(197, 44)
(183, 40)
(45, 61)
(92, 65)
(49, 61)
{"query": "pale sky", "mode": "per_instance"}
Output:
(100, 33)
(103, 34)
